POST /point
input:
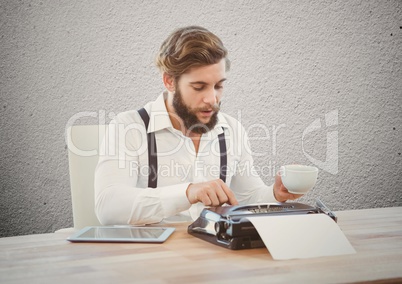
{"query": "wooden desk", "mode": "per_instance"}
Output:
(376, 234)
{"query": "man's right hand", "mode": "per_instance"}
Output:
(211, 193)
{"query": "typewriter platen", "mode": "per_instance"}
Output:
(228, 227)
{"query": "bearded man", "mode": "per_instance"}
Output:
(180, 153)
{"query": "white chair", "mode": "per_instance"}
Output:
(83, 143)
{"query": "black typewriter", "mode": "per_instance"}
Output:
(228, 227)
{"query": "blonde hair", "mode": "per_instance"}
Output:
(190, 47)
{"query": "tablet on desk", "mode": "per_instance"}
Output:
(122, 234)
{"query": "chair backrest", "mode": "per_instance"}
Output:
(83, 143)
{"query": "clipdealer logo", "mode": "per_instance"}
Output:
(118, 133)
(330, 164)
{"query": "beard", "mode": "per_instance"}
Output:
(189, 117)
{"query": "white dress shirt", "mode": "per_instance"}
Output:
(122, 195)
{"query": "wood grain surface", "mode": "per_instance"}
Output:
(376, 234)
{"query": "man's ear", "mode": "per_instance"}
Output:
(168, 81)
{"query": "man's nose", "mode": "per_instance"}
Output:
(210, 97)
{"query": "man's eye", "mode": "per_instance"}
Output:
(218, 87)
(198, 88)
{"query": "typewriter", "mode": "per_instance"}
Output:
(228, 227)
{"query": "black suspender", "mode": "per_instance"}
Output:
(152, 151)
(224, 156)
(153, 158)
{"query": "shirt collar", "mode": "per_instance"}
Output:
(159, 117)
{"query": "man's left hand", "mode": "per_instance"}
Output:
(281, 193)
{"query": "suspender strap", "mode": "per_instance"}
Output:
(224, 156)
(152, 152)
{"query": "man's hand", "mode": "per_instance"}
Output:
(281, 193)
(211, 193)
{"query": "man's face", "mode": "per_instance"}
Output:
(197, 97)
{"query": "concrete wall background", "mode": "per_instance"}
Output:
(293, 63)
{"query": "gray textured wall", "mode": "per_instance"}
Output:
(302, 72)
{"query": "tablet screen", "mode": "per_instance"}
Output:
(122, 234)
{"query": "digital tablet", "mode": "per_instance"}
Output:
(127, 234)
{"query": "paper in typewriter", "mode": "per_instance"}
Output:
(301, 236)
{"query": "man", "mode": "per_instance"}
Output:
(180, 152)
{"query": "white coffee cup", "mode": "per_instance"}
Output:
(298, 179)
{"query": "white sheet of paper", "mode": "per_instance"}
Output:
(301, 236)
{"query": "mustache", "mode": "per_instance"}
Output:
(214, 108)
